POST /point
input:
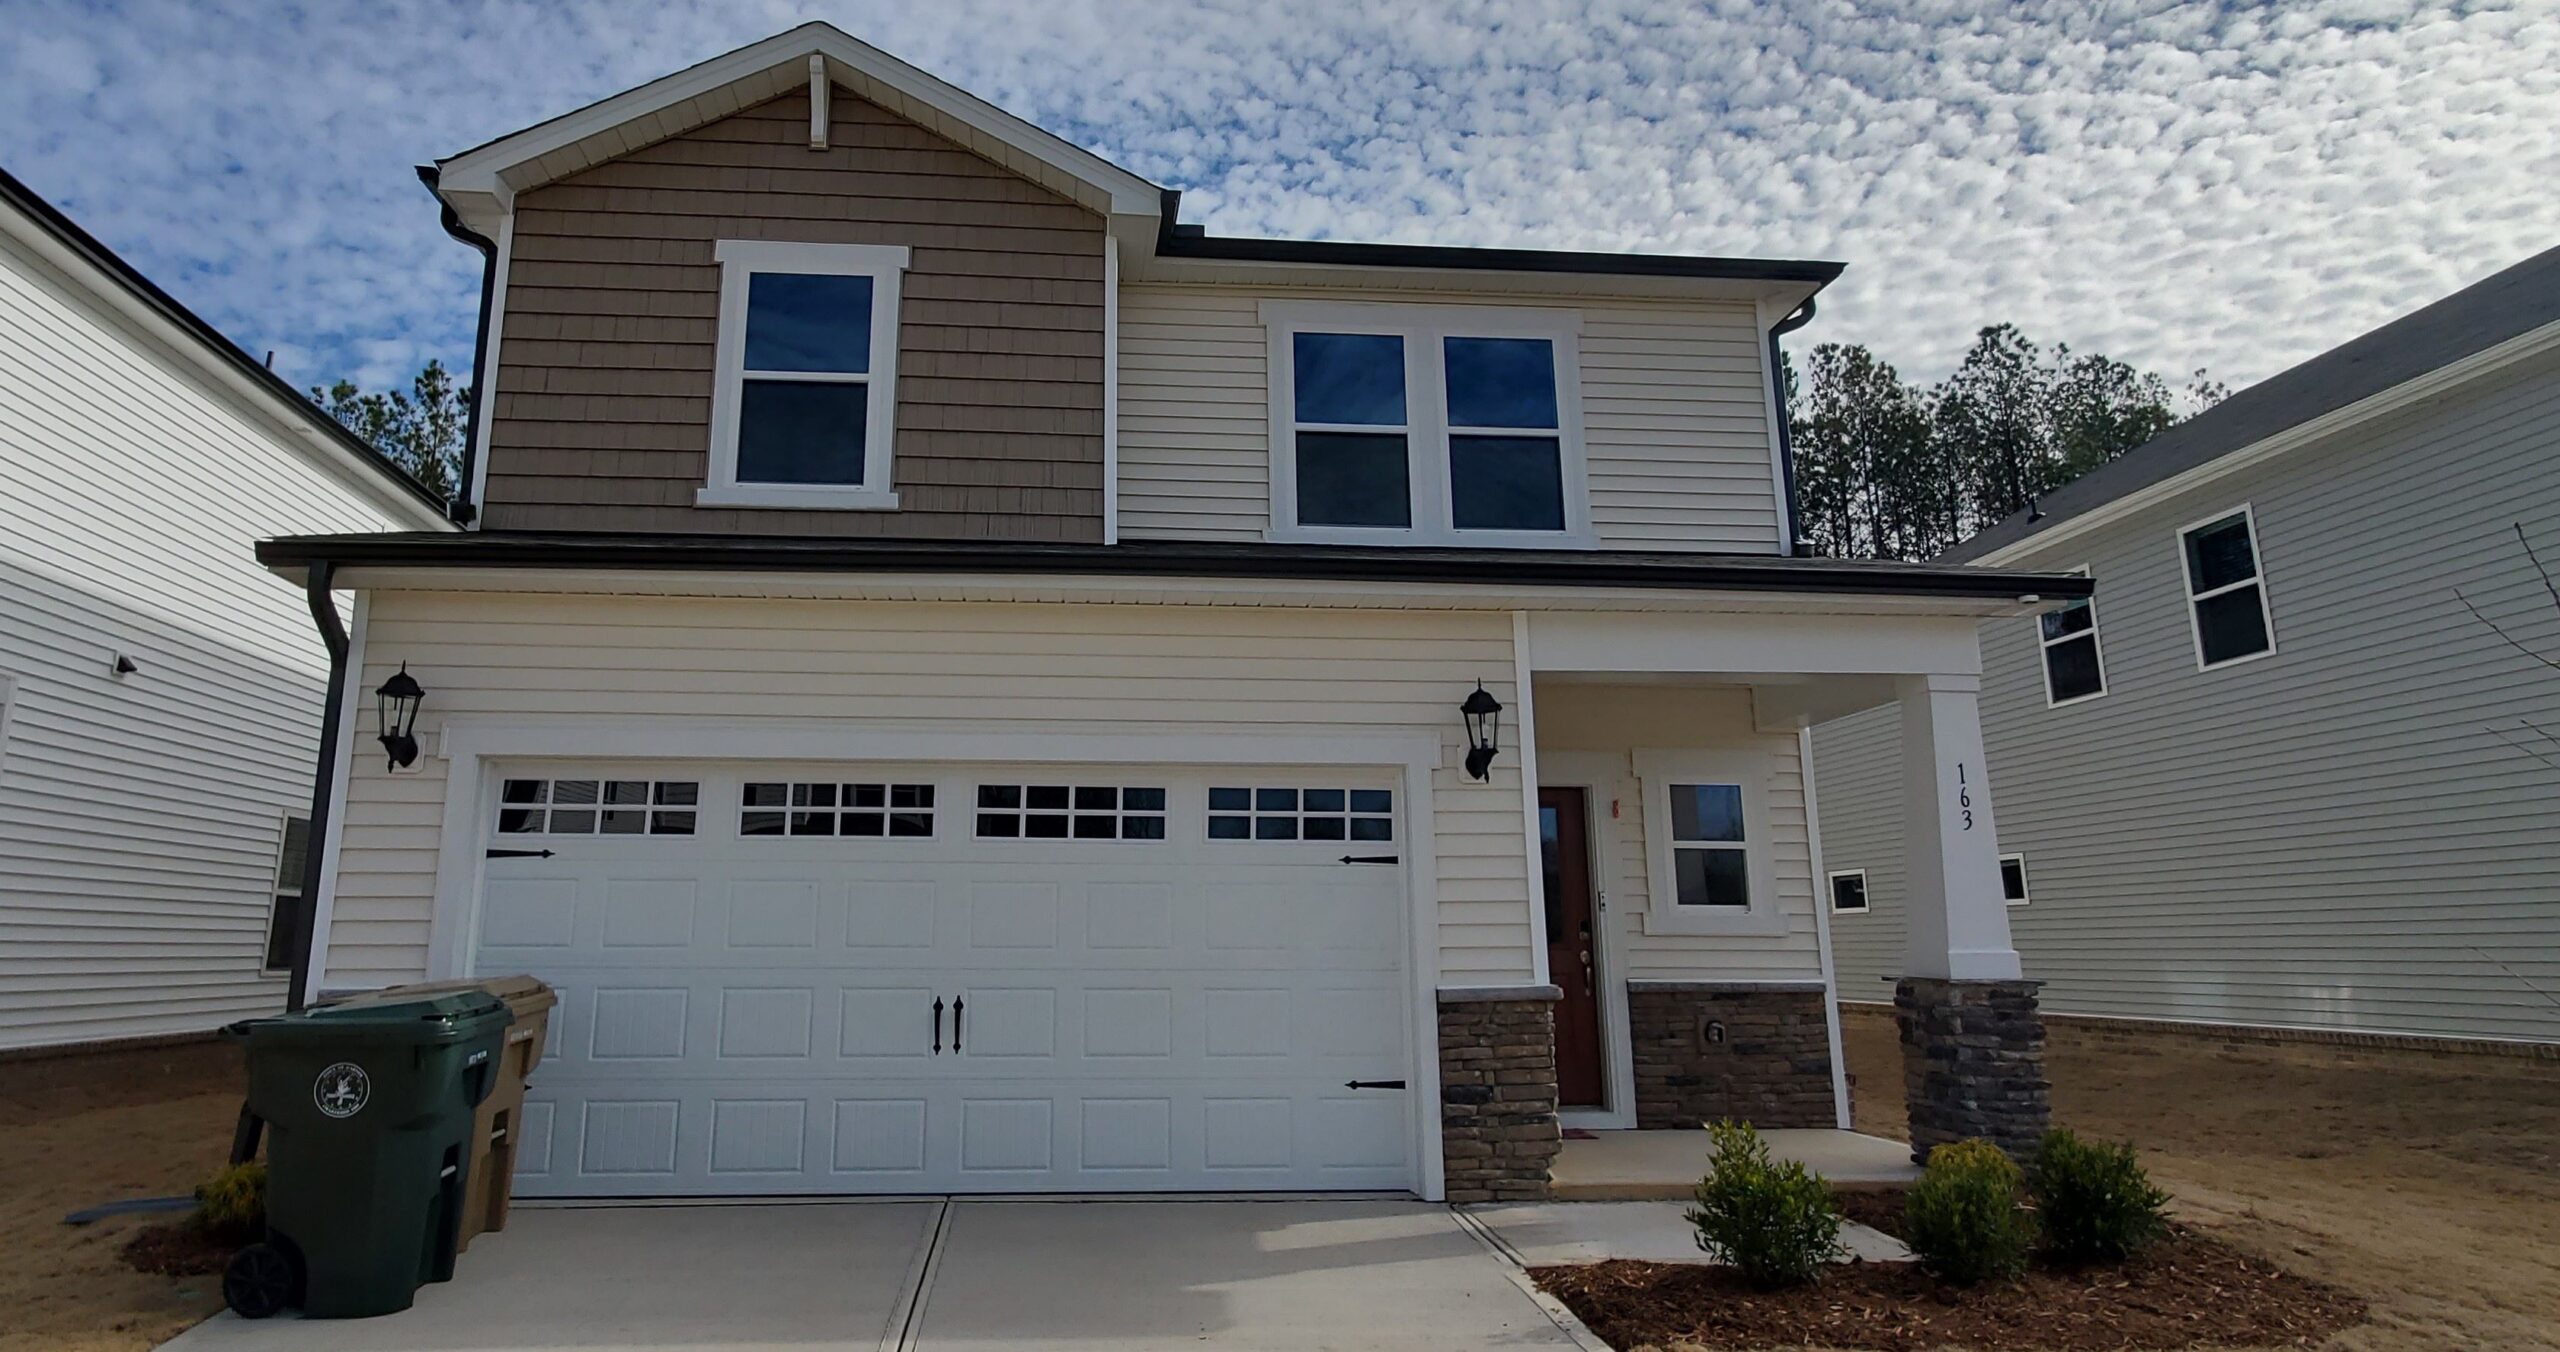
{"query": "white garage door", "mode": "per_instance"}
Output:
(833, 979)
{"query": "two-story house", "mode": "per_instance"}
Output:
(2289, 774)
(967, 683)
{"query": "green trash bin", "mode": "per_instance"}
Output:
(369, 1107)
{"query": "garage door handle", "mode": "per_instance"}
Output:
(957, 1005)
(519, 854)
(937, 1025)
(1368, 859)
(1373, 1084)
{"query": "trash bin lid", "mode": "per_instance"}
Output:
(390, 1016)
(398, 1005)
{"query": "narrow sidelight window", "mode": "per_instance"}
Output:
(804, 396)
(2226, 593)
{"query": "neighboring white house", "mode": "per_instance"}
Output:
(160, 694)
(2276, 772)
(960, 678)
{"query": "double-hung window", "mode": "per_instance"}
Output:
(2226, 595)
(2074, 668)
(804, 394)
(1396, 425)
(1707, 834)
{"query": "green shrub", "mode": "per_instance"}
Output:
(1774, 1223)
(232, 1205)
(1962, 1219)
(2096, 1202)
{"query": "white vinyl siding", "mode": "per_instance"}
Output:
(2341, 835)
(1144, 668)
(138, 815)
(1676, 437)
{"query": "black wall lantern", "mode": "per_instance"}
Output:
(1484, 726)
(399, 698)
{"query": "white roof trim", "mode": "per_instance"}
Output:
(2430, 385)
(482, 182)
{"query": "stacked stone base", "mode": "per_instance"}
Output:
(1498, 1129)
(1973, 1063)
(1707, 1051)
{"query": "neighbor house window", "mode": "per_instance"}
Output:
(1707, 840)
(285, 910)
(2074, 668)
(1849, 891)
(804, 395)
(1402, 425)
(2013, 879)
(2226, 595)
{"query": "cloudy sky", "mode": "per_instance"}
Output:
(2180, 185)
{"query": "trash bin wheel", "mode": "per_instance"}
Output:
(261, 1280)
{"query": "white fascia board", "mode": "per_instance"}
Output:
(2433, 384)
(1147, 267)
(482, 172)
(294, 424)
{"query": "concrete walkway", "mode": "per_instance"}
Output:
(1634, 1166)
(948, 1276)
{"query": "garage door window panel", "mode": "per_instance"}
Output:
(589, 807)
(866, 810)
(1090, 812)
(1320, 814)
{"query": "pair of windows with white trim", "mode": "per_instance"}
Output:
(1849, 886)
(1399, 425)
(804, 394)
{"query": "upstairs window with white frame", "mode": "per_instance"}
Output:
(2226, 594)
(2074, 667)
(804, 397)
(1404, 426)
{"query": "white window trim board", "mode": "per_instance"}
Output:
(2026, 882)
(1658, 769)
(2257, 578)
(740, 260)
(1866, 900)
(1426, 418)
(321, 894)
(2044, 647)
(471, 747)
(486, 382)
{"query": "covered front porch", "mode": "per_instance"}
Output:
(1682, 912)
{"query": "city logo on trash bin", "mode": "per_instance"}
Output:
(342, 1089)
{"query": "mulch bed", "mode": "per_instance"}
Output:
(178, 1249)
(2186, 1291)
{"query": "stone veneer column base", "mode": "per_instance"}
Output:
(1710, 1050)
(1973, 1063)
(1498, 1130)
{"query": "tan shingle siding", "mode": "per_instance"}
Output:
(603, 395)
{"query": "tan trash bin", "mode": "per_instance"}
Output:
(491, 1186)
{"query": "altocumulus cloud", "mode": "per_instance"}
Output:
(2180, 185)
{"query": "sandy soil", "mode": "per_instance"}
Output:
(102, 1129)
(2429, 1185)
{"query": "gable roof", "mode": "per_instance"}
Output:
(2505, 315)
(480, 184)
(321, 438)
(482, 181)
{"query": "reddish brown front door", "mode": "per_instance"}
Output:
(1572, 946)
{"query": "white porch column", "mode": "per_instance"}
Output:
(1957, 920)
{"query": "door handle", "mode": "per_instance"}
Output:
(957, 1004)
(937, 1025)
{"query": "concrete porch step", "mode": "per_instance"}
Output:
(1640, 1166)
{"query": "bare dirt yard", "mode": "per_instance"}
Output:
(77, 1131)
(2429, 1185)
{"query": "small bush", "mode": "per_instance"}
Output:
(2097, 1204)
(232, 1205)
(1962, 1219)
(1774, 1223)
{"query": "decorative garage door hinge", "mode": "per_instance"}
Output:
(1373, 1084)
(1368, 859)
(519, 854)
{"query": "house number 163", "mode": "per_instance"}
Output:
(1964, 797)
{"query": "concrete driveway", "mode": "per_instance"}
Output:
(939, 1276)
